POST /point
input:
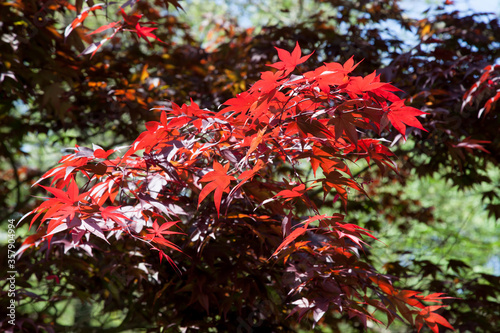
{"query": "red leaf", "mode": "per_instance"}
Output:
(145, 32)
(219, 182)
(163, 255)
(297, 191)
(434, 297)
(324, 77)
(383, 285)
(432, 319)
(289, 60)
(240, 104)
(298, 232)
(401, 115)
(489, 104)
(469, 144)
(80, 18)
(159, 230)
(358, 84)
(349, 65)
(256, 141)
(248, 174)
(53, 277)
(109, 213)
(69, 197)
(268, 81)
(104, 27)
(344, 123)
(131, 20)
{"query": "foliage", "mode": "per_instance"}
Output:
(282, 122)
(48, 88)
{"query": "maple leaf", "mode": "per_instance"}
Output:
(298, 232)
(401, 115)
(289, 60)
(370, 82)
(67, 197)
(131, 20)
(63, 205)
(469, 144)
(160, 230)
(141, 31)
(268, 81)
(434, 297)
(256, 141)
(295, 192)
(334, 179)
(431, 318)
(349, 65)
(32, 240)
(325, 78)
(80, 18)
(170, 260)
(383, 284)
(94, 47)
(109, 213)
(104, 27)
(219, 182)
(247, 175)
(239, 104)
(145, 32)
(156, 233)
(344, 123)
(314, 127)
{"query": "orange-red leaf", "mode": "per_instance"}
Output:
(289, 60)
(401, 115)
(298, 232)
(219, 182)
(432, 319)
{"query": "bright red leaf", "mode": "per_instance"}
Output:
(218, 181)
(289, 60)
(145, 32)
(401, 115)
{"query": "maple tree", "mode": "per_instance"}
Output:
(128, 80)
(283, 121)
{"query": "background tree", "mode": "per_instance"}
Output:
(447, 60)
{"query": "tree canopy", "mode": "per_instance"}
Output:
(258, 191)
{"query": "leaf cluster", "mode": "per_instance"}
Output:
(449, 73)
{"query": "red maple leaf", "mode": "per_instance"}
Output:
(298, 232)
(160, 230)
(219, 182)
(156, 233)
(325, 77)
(431, 318)
(371, 82)
(401, 115)
(63, 205)
(145, 32)
(268, 81)
(289, 60)
(80, 18)
(131, 20)
(104, 27)
(109, 213)
(239, 104)
(141, 31)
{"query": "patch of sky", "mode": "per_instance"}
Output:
(493, 264)
(419, 10)
(21, 107)
(202, 15)
(415, 9)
